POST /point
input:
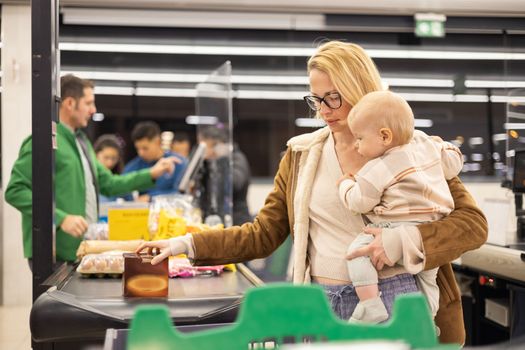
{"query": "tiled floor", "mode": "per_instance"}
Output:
(14, 327)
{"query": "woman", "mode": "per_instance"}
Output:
(109, 153)
(304, 202)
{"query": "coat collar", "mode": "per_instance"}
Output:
(307, 141)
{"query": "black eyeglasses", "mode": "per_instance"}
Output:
(331, 99)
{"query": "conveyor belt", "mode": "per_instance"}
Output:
(76, 308)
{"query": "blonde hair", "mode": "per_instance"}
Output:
(385, 109)
(349, 67)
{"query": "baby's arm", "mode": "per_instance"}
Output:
(359, 195)
(451, 158)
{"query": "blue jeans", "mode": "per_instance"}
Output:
(343, 298)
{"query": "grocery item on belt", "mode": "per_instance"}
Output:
(107, 263)
(93, 247)
(97, 231)
(141, 279)
(181, 267)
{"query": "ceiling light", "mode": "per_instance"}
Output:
(282, 51)
(98, 117)
(309, 123)
(474, 141)
(270, 79)
(165, 92)
(270, 95)
(284, 95)
(420, 82)
(138, 76)
(193, 19)
(423, 123)
(188, 49)
(494, 84)
(515, 126)
(279, 79)
(508, 99)
(472, 166)
(114, 90)
(201, 120)
(428, 97)
(445, 55)
(186, 78)
(499, 137)
(476, 157)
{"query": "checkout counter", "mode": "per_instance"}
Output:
(75, 311)
(492, 283)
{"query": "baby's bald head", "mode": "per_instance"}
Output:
(385, 109)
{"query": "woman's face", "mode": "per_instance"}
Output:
(321, 86)
(108, 157)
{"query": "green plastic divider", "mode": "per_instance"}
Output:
(273, 313)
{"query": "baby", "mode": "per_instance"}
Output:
(403, 183)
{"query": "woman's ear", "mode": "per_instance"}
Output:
(387, 136)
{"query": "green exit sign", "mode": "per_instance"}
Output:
(429, 25)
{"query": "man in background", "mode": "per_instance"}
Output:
(214, 168)
(146, 138)
(79, 177)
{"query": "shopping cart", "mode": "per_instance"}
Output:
(278, 314)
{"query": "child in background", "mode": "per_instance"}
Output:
(108, 149)
(403, 182)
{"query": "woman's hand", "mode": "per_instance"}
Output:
(163, 245)
(374, 250)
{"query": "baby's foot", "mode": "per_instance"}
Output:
(369, 311)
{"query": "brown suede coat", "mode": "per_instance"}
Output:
(443, 241)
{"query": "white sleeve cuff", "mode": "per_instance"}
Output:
(182, 245)
(403, 245)
(392, 243)
(345, 186)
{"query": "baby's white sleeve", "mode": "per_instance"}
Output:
(451, 160)
(359, 196)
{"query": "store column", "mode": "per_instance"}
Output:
(15, 126)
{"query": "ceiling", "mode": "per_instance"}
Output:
(398, 7)
(147, 61)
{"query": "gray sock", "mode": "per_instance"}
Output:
(370, 311)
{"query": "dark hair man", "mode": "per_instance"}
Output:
(146, 138)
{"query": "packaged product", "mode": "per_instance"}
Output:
(103, 264)
(93, 247)
(141, 279)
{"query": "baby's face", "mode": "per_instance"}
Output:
(369, 142)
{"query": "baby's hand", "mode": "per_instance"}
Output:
(345, 177)
(436, 139)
